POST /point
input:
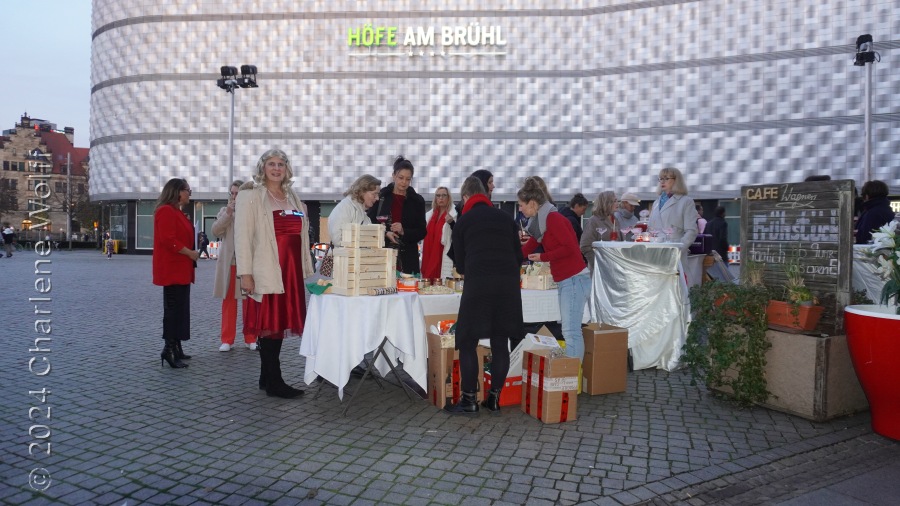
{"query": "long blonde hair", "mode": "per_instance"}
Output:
(260, 176)
(449, 199)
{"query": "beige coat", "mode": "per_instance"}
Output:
(223, 229)
(256, 251)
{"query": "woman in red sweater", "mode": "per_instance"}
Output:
(174, 260)
(567, 266)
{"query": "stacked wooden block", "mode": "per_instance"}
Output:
(364, 263)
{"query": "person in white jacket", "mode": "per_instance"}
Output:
(362, 195)
(271, 238)
(674, 213)
(435, 262)
(226, 286)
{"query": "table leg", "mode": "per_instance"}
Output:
(369, 367)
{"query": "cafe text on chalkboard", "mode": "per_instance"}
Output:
(809, 222)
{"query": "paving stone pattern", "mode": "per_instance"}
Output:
(125, 430)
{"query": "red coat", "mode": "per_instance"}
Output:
(560, 248)
(171, 232)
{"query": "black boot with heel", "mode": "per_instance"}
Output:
(168, 356)
(467, 405)
(492, 403)
(179, 353)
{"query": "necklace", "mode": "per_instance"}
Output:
(276, 199)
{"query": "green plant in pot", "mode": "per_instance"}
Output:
(726, 342)
(798, 311)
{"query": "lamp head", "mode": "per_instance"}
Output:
(248, 77)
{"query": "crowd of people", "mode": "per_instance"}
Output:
(264, 255)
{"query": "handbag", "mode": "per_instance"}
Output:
(326, 267)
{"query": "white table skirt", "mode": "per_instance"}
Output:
(639, 286)
(340, 330)
(537, 305)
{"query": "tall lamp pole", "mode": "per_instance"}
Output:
(228, 82)
(866, 57)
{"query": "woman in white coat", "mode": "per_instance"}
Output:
(273, 258)
(674, 213)
(362, 195)
(435, 262)
(226, 286)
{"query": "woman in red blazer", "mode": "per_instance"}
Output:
(174, 260)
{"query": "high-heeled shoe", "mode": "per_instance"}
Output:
(179, 353)
(168, 356)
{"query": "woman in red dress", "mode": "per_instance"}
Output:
(272, 254)
(174, 259)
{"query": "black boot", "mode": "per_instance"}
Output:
(168, 355)
(262, 363)
(467, 405)
(179, 353)
(492, 403)
(275, 385)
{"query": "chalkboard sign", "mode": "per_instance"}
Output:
(812, 222)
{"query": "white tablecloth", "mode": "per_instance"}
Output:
(639, 286)
(537, 305)
(340, 331)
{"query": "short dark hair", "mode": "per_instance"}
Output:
(875, 189)
(720, 212)
(578, 200)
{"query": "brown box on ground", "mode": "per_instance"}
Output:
(605, 368)
(549, 386)
(443, 369)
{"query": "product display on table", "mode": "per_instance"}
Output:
(364, 263)
(537, 277)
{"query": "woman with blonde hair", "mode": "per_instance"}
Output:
(674, 213)
(273, 256)
(601, 225)
(435, 262)
(362, 195)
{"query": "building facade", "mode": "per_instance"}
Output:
(35, 179)
(590, 95)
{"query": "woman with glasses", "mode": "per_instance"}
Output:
(435, 262)
(174, 260)
(273, 256)
(362, 195)
(674, 213)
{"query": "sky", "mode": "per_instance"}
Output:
(46, 63)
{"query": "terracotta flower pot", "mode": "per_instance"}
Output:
(873, 336)
(788, 317)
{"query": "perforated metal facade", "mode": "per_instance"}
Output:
(591, 95)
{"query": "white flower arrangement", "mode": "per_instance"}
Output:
(887, 252)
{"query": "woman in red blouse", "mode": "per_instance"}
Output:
(174, 260)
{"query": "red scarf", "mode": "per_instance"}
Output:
(475, 199)
(432, 249)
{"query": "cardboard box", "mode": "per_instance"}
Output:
(605, 367)
(447, 340)
(541, 341)
(510, 394)
(444, 374)
(549, 386)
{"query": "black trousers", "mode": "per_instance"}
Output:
(469, 368)
(177, 312)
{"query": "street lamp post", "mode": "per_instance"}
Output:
(228, 82)
(866, 57)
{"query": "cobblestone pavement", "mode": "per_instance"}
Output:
(123, 430)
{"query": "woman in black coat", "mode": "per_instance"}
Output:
(403, 210)
(876, 210)
(488, 254)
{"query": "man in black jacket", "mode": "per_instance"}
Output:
(876, 210)
(402, 210)
(577, 206)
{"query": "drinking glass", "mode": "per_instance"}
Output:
(601, 231)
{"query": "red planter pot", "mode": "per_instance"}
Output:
(788, 317)
(873, 336)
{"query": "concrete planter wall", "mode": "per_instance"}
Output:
(812, 377)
